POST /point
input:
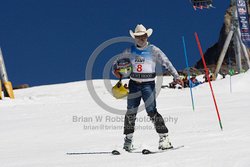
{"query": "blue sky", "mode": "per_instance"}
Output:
(50, 41)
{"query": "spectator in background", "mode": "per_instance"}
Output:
(194, 82)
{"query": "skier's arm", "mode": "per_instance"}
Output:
(165, 62)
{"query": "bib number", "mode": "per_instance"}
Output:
(139, 68)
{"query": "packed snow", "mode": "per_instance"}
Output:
(44, 123)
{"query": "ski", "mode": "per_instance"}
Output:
(116, 152)
(113, 152)
(147, 151)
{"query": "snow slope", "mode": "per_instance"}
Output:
(43, 123)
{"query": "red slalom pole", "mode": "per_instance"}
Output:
(207, 75)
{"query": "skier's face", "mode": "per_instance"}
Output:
(142, 40)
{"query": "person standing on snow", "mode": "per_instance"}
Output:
(143, 57)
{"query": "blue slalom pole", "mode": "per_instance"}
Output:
(186, 58)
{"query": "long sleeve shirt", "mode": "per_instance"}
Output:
(144, 62)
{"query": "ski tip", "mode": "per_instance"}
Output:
(115, 152)
(146, 151)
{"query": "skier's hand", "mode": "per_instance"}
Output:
(179, 81)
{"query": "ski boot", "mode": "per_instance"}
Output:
(164, 142)
(128, 146)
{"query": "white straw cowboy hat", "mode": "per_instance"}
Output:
(140, 30)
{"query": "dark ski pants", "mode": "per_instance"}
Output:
(145, 91)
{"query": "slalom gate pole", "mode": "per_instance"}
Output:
(187, 64)
(208, 77)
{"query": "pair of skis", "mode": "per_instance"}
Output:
(116, 152)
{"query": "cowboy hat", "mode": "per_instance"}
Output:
(140, 30)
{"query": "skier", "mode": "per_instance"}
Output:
(143, 57)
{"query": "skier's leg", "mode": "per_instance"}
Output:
(161, 129)
(148, 95)
(158, 122)
(133, 102)
(129, 128)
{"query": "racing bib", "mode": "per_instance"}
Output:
(143, 62)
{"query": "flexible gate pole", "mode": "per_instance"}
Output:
(207, 75)
(187, 64)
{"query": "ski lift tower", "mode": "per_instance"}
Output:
(235, 36)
